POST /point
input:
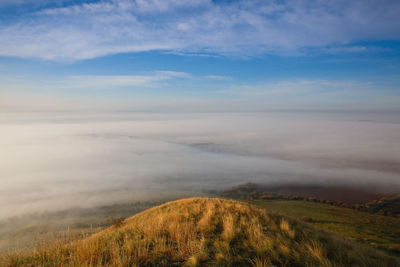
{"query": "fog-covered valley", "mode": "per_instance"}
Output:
(59, 160)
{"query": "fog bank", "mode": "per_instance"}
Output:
(52, 161)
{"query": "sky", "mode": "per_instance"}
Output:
(199, 55)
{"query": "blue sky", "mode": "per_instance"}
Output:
(199, 55)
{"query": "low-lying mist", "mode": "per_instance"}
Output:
(52, 161)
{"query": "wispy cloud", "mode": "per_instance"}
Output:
(90, 82)
(84, 92)
(90, 30)
(292, 88)
(141, 92)
(218, 77)
(116, 81)
(315, 94)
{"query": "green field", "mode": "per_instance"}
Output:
(379, 231)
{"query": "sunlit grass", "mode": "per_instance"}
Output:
(203, 231)
(372, 229)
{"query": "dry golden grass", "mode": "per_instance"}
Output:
(285, 227)
(203, 231)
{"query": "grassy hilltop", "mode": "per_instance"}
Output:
(208, 232)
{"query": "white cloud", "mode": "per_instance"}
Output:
(115, 81)
(314, 94)
(218, 77)
(16, 2)
(163, 6)
(238, 28)
(142, 92)
(294, 88)
(89, 82)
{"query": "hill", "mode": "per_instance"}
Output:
(28, 231)
(350, 195)
(385, 206)
(208, 232)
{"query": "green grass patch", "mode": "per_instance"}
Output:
(378, 231)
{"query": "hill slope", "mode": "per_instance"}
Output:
(203, 231)
(386, 206)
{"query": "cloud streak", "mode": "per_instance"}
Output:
(157, 91)
(116, 81)
(240, 28)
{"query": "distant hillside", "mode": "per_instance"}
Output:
(206, 232)
(384, 206)
(335, 193)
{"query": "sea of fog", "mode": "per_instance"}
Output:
(58, 160)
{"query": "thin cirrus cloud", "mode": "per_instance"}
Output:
(298, 87)
(146, 80)
(89, 30)
(102, 92)
(115, 81)
(66, 92)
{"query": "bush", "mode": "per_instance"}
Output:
(116, 222)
